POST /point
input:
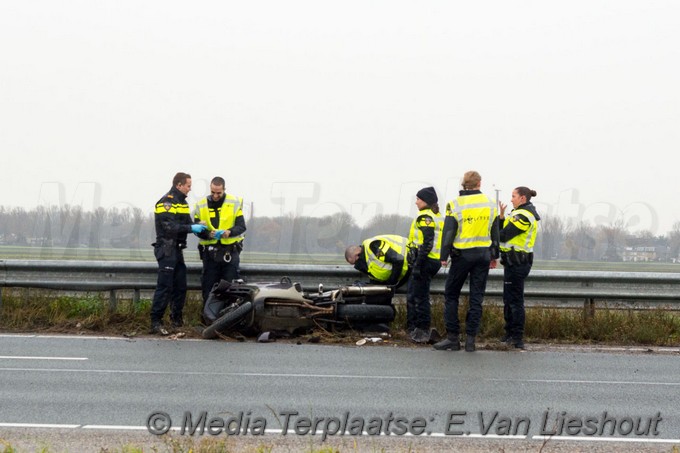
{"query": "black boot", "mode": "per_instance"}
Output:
(517, 343)
(420, 336)
(470, 343)
(451, 342)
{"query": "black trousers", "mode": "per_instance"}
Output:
(513, 298)
(171, 287)
(418, 309)
(215, 270)
(473, 263)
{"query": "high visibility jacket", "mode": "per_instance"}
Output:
(231, 209)
(523, 242)
(427, 219)
(475, 214)
(377, 267)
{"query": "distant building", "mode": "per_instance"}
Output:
(642, 253)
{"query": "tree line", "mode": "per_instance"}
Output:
(71, 226)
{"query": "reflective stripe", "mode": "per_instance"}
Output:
(175, 208)
(227, 218)
(377, 267)
(523, 242)
(475, 215)
(416, 235)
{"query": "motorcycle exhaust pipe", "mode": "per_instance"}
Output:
(364, 290)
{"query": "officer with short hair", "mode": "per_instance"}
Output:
(221, 244)
(470, 237)
(173, 223)
(517, 239)
(384, 258)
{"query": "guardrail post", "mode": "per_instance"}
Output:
(135, 297)
(589, 308)
(113, 302)
(588, 303)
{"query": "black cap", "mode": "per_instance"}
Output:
(428, 195)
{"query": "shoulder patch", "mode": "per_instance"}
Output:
(167, 205)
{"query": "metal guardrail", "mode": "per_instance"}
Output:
(139, 275)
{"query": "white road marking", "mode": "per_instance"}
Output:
(644, 440)
(37, 425)
(574, 381)
(17, 357)
(327, 376)
(115, 427)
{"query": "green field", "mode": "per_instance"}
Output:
(145, 254)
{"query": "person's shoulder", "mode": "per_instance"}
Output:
(425, 220)
(167, 196)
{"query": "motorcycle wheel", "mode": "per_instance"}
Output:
(227, 321)
(365, 313)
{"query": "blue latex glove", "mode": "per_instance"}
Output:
(197, 228)
(218, 234)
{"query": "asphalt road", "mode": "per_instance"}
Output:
(79, 384)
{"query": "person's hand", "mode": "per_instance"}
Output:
(501, 209)
(218, 234)
(197, 228)
(493, 264)
(445, 263)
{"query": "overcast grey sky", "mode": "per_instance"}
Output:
(321, 107)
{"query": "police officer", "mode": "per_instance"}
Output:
(221, 244)
(384, 258)
(517, 238)
(470, 237)
(425, 235)
(173, 223)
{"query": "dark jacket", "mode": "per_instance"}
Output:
(173, 218)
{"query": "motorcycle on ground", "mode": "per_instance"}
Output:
(286, 308)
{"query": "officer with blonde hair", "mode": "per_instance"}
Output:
(470, 238)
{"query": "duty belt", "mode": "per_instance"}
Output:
(215, 249)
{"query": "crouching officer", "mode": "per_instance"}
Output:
(221, 244)
(386, 259)
(173, 223)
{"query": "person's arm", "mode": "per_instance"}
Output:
(205, 234)
(426, 226)
(495, 239)
(448, 235)
(239, 226)
(397, 262)
(515, 225)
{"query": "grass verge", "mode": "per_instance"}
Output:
(32, 310)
